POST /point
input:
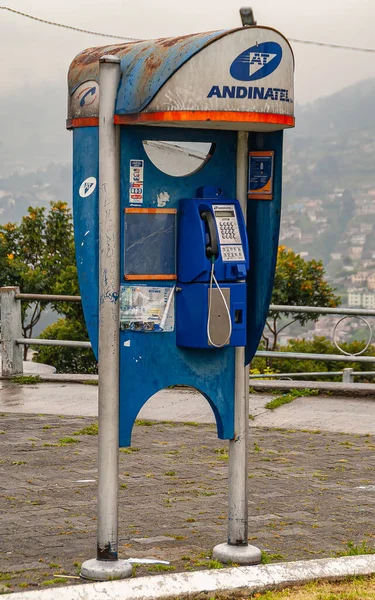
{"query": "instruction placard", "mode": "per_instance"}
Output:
(147, 308)
(136, 182)
(261, 175)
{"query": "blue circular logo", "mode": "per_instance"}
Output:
(257, 62)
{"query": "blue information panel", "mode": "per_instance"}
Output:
(261, 175)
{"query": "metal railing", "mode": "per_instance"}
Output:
(11, 340)
(347, 375)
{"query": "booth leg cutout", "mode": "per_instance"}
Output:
(105, 570)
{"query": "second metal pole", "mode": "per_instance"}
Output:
(107, 565)
(237, 549)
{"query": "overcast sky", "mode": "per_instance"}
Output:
(34, 53)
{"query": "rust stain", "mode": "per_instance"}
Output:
(85, 65)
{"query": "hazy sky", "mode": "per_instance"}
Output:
(34, 53)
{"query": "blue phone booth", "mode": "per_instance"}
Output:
(197, 260)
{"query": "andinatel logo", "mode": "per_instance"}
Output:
(257, 62)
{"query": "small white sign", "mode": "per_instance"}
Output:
(136, 182)
(87, 187)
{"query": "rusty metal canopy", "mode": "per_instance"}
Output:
(145, 66)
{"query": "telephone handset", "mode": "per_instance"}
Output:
(212, 248)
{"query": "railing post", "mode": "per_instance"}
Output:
(11, 329)
(347, 376)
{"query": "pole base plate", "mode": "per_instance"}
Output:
(104, 570)
(242, 555)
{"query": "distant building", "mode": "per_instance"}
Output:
(358, 240)
(336, 255)
(357, 298)
(354, 298)
(355, 252)
(371, 282)
(359, 278)
(368, 300)
(366, 227)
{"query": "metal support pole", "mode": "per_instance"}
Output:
(347, 375)
(107, 565)
(11, 329)
(237, 549)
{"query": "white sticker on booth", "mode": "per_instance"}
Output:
(87, 187)
(136, 181)
(85, 100)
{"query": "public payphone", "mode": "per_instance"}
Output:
(179, 281)
(213, 260)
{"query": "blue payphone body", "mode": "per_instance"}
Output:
(196, 273)
(212, 266)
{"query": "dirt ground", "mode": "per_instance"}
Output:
(310, 494)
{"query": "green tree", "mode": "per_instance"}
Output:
(71, 327)
(34, 255)
(297, 283)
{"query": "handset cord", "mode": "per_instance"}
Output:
(213, 279)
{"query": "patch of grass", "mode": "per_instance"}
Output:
(89, 382)
(222, 453)
(170, 473)
(190, 423)
(251, 418)
(211, 563)
(129, 450)
(159, 568)
(54, 581)
(287, 398)
(123, 486)
(145, 423)
(267, 558)
(26, 379)
(5, 576)
(89, 430)
(64, 441)
(190, 520)
(257, 448)
(19, 462)
(353, 549)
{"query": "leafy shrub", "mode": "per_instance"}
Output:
(319, 345)
(65, 359)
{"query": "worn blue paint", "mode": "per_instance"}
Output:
(86, 225)
(153, 361)
(145, 66)
(263, 225)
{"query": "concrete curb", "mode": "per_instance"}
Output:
(246, 579)
(338, 388)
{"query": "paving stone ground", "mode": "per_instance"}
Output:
(310, 494)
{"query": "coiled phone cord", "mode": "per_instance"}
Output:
(212, 280)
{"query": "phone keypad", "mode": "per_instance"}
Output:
(228, 231)
(232, 253)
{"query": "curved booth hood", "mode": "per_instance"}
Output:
(239, 79)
